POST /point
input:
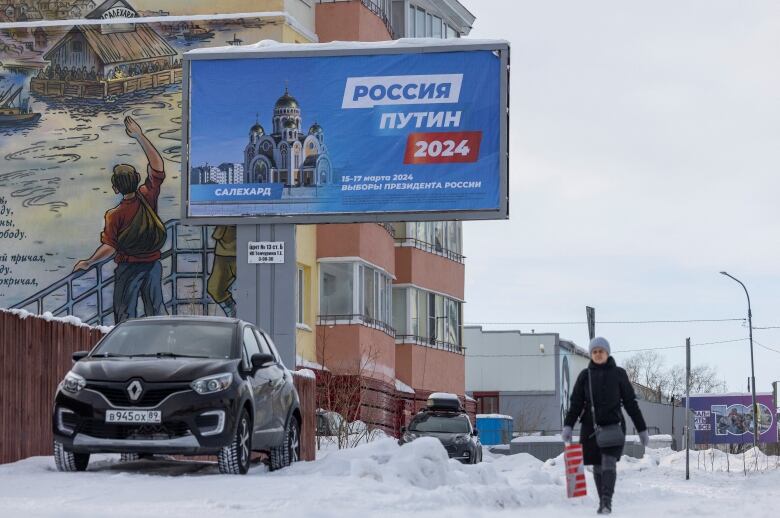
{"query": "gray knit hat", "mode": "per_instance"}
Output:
(599, 342)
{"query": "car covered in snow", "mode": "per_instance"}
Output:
(445, 419)
(178, 385)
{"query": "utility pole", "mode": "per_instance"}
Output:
(687, 408)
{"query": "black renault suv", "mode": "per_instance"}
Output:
(178, 385)
(445, 419)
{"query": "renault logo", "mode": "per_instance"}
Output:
(134, 390)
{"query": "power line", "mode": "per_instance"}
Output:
(614, 352)
(701, 320)
(765, 346)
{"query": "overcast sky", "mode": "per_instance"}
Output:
(644, 160)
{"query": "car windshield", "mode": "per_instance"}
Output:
(441, 424)
(169, 340)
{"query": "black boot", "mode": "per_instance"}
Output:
(597, 479)
(608, 479)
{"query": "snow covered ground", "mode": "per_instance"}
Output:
(383, 479)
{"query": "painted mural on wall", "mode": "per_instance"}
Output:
(90, 129)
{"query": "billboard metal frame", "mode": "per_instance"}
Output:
(502, 47)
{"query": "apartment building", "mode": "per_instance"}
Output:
(390, 296)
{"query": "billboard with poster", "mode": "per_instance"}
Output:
(347, 132)
(728, 418)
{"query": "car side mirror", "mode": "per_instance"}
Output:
(403, 429)
(79, 355)
(475, 433)
(261, 360)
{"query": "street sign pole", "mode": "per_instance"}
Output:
(591, 313)
(687, 408)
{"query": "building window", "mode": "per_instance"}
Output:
(375, 294)
(400, 320)
(427, 318)
(356, 291)
(77, 46)
(336, 286)
(487, 403)
(300, 302)
(419, 24)
(436, 29)
(438, 237)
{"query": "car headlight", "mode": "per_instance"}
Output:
(73, 382)
(211, 384)
(461, 439)
(410, 436)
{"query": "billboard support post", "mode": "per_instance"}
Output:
(265, 293)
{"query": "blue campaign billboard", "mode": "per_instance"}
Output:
(333, 134)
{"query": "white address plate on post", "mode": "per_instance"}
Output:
(261, 252)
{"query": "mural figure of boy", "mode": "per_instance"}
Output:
(223, 271)
(134, 234)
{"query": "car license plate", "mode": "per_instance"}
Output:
(133, 416)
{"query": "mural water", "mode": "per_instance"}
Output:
(56, 175)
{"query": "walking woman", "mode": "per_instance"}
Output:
(601, 389)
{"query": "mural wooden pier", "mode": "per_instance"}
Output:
(102, 89)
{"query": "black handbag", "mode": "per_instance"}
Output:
(609, 435)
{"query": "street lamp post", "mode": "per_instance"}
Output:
(756, 423)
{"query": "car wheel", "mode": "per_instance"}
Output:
(234, 458)
(69, 461)
(129, 457)
(290, 450)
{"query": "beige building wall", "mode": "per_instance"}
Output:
(306, 256)
(302, 13)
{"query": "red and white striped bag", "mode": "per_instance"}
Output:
(576, 485)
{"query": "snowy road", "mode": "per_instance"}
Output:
(382, 479)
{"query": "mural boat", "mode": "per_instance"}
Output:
(14, 116)
(198, 33)
(235, 41)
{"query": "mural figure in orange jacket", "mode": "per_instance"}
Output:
(134, 234)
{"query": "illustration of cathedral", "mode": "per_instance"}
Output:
(287, 155)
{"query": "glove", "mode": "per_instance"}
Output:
(644, 438)
(566, 434)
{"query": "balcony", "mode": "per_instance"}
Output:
(353, 20)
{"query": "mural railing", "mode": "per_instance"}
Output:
(88, 294)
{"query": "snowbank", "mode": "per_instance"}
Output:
(402, 43)
(384, 479)
(494, 416)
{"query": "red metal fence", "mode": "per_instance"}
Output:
(35, 354)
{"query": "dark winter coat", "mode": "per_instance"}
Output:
(611, 388)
